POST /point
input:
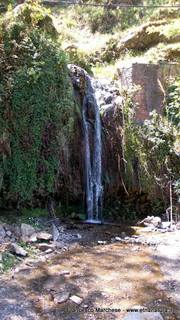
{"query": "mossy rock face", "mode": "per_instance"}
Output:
(36, 112)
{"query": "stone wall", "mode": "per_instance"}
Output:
(151, 81)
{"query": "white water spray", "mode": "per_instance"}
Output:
(93, 156)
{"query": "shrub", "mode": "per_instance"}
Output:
(36, 110)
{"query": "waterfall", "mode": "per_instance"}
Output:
(93, 154)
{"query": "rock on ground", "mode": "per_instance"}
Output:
(2, 232)
(44, 236)
(15, 248)
(143, 316)
(76, 299)
(26, 231)
(61, 297)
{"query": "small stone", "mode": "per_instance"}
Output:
(64, 272)
(61, 297)
(44, 236)
(79, 236)
(48, 251)
(15, 248)
(102, 242)
(76, 299)
(118, 239)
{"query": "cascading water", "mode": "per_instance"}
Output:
(93, 154)
(92, 96)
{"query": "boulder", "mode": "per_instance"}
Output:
(26, 231)
(43, 235)
(18, 250)
(150, 221)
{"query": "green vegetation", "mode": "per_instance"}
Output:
(36, 105)
(8, 262)
(92, 35)
(152, 149)
(37, 110)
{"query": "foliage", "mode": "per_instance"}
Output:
(78, 57)
(36, 107)
(173, 103)
(8, 261)
(150, 152)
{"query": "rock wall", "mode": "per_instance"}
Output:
(151, 81)
(110, 104)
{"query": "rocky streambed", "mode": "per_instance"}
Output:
(93, 272)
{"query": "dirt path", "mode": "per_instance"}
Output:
(114, 275)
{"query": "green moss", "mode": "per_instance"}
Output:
(36, 112)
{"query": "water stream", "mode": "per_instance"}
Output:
(93, 153)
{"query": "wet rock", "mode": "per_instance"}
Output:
(26, 231)
(76, 299)
(2, 232)
(61, 297)
(18, 250)
(143, 316)
(44, 236)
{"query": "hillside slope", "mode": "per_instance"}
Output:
(99, 38)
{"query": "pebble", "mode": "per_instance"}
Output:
(61, 297)
(118, 239)
(102, 242)
(76, 299)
